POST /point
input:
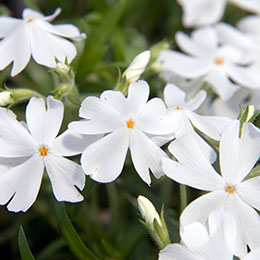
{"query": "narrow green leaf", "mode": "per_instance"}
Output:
(70, 235)
(95, 47)
(24, 249)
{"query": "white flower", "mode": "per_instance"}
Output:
(204, 12)
(253, 255)
(218, 65)
(147, 210)
(126, 123)
(229, 191)
(182, 112)
(137, 66)
(202, 243)
(35, 36)
(37, 148)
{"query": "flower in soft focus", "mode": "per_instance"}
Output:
(5, 98)
(185, 117)
(199, 242)
(229, 191)
(127, 122)
(37, 38)
(204, 12)
(222, 66)
(147, 210)
(137, 66)
(36, 147)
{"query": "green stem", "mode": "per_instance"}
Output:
(184, 200)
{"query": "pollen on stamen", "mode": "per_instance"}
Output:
(178, 108)
(230, 189)
(130, 123)
(43, 151)
(219, 61)
(29, 20)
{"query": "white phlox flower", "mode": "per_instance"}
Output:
(36, 147)
(34, 36)
(184, 116)
(127, 122)
(229, 191)
(200, 242)
(205, 12)
(222, 66)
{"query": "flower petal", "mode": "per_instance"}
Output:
(70, 143)
(200, 209)
(29, 14)
(174, 96)
(8, 25)
(64, 175)
(212, 126)
(221, 84)
(138, 93)
(196, 102)
(238, 155)
(43, 124)
(253, 255)
(145, 155)
(177, 252)
(23, 183)
(104, 159)
(249, 192)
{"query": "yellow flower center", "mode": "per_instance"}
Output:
(43, 151)
(230, 189)
(130, 123)
(219, 61)
(178, 108)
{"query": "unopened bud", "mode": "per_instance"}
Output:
(5, 98)
(137, 66)
(62, 69)
(148, 210)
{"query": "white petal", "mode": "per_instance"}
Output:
(248, 224)
(253, 255)
(29, 14)
(184, 65)
(64, 175)
(104, 159)
(46, 47)
(152, 119)
(43, 124)
(8, 25)
(249, 5)
(212, 126)
(23, 183)
(199, 209)
(51, 17)
(196, 102)
(174, 96)
(201, 12)
(221, 84)
(177, 252)
(238, 155)
(249, 191)
(248, 77)
(138, 93)
(250, 24)
(145, 155)
(18, 53)
(203, 42)
(70, 143)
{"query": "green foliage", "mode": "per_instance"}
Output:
(25, 251)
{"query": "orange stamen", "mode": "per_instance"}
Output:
(179, 108)
(219, 61)
(130, 123)
(230, 189)
(29, 20)
(43, 151)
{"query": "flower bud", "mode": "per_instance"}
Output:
(137, 66)
(5, 98)
(62, 68)
(148, 210)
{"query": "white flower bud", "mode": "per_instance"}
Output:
(5, 98)
(148, 210)
(137, 66)
(62, 68)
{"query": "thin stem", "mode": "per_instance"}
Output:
(184, 200)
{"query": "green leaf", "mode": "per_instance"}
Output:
(24, 249)
(95, 47)
(70, 235)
